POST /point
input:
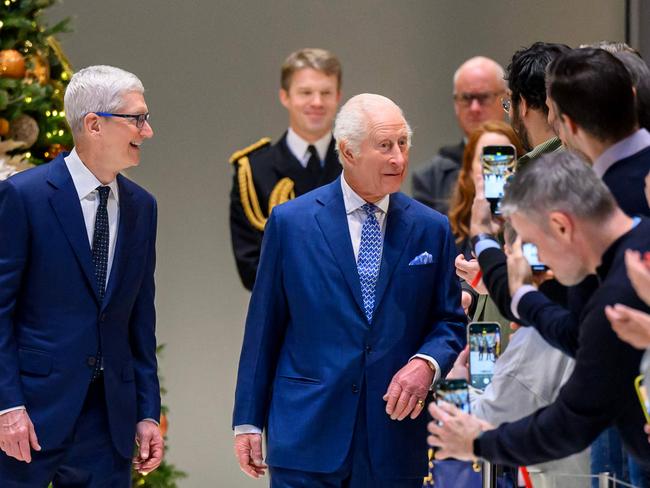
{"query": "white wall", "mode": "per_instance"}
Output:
(211, 69)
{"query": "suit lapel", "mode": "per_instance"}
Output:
(398, 230)
(333, 222)
(65, 202)
(125, 236)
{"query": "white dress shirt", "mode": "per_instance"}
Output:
(299, 147)
(86, 185)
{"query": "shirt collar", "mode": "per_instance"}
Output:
(354, 202)
(84, 181)
(621, 150)
(298, 146)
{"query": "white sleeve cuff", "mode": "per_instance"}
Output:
(151, 420)
(484, 244)
(436, 375)
(247, 429)
(12, 409)
(516, 298)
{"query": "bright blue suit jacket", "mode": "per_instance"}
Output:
(51, 318)
(308, 348)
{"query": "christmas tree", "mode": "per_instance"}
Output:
(34, 73)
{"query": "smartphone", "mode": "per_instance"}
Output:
(498, 163)
(642, 392)
(484, 349)
(455, 392)
(530, 253)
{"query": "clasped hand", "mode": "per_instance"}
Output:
(408, 389)
(151, 447)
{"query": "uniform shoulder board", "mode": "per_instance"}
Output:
(237, 155)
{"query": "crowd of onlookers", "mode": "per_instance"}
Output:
(562, 400)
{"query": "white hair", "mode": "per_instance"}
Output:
(482, 62)
(351, 124)
(97, 89)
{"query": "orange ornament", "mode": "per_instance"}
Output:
(54, 150)
(4, 127)
(163, 425)
(12, 64)
(40, 69)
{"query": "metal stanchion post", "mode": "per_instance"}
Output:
(489, 475)
(604, 481)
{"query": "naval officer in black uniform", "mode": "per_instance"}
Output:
(303, 159)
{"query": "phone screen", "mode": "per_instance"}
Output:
(484, 348)
(530, 253)
(498, 163)
(454, 392)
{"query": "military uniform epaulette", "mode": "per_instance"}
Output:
(262, 143)
(282, 192)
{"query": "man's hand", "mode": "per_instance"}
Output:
(453, 431)
(468, 270)
(519, 272)
(460, 370)
(638, 270)
(481, 221)
(630, 325)
(408, 389)
(646, 427)
(248, 451)
(17, 435)
(466, 299)
(151, 447)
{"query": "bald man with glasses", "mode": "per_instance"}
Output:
(478, 89)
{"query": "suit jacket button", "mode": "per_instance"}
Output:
(368, 348)
(355, 389)
(91, 361)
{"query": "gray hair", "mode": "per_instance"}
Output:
(97, 89)
(351, 124)
(561, 182)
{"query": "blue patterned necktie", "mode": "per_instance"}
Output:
(369, 259)
(100, 257)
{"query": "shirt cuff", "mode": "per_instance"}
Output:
(436, 374)
(247, 429)
(152, 420)
(484, 244)
(516, 298)
(12, 409)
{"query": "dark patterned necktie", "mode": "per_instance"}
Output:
(100, 257)
(369, 260)
(100, 240)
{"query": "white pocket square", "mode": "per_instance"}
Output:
(424, 258)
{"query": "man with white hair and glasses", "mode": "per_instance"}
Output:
(78, 372)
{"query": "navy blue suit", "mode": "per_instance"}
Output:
(51, 318)
(310, 356)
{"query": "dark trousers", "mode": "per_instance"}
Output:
(86, 459)
(357, 470)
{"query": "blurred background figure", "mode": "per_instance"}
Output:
(478, 87)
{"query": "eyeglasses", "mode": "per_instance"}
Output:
(506, 103)
(466, 99)
(140, 119)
